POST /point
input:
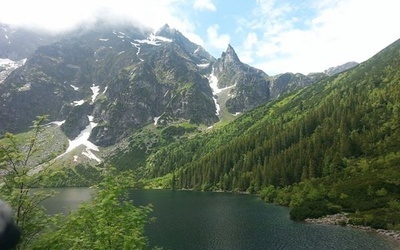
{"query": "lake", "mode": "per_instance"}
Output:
(205, 220)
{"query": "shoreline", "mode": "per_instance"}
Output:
(341, 219)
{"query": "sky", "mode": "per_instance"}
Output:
(276, 36)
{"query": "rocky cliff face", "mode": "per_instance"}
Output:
(287, 82)
(338, 69)
(76, 120)
(122, 76)
(250, 86)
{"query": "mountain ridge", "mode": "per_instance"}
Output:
(126, 77)
(71, 66)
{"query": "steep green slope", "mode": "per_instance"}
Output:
(324, 131)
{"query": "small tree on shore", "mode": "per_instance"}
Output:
(17, 178)
(109, 221)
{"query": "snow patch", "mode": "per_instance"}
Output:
(8, 66)
(78, 103)
(214, 84)
(203, 65)
(105, 89)
(83, 139)
(197, 50)
(26, 87)
(138, 50)
(103, 39)
(156, 120)
(95, 89)
(154, 40)
(213, 80)
(217, 106)
(58, 123)
(89, 154)
(75, 158)
(74, 87)
(120, 53)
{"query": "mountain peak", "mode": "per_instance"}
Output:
(230, 55)
(165, 26)
(167, 31)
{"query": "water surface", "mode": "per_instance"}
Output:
(202, 220)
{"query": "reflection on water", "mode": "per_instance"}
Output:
(66, 199)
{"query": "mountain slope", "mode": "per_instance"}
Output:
(327, 130)
(337, 115)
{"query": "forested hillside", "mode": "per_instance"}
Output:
(345, 129)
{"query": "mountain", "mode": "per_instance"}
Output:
(322, 143)
(328, 148)
(338, 69)
(288, 82)
(348, 115)
(249, 87)
(128, 75)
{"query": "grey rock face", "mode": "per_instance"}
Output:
(287, 82)
(251, 84)
(125, 76)
(76, 121)
(339, 69)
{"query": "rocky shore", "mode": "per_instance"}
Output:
(342, 220)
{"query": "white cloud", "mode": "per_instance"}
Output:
(60, 15)
(63, 15)
(308, 36)
(336, 32)
(218, 41)
(247, 54)
(204, 5)
(250, 40)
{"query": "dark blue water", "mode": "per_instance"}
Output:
(202, 220)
